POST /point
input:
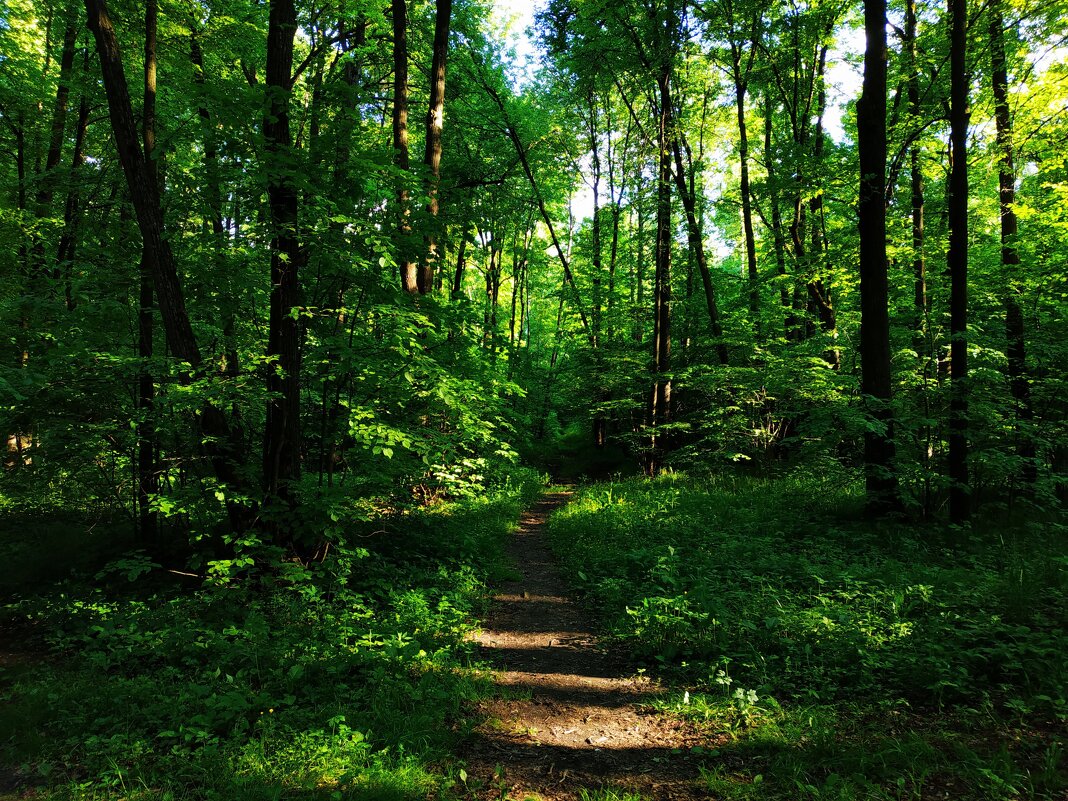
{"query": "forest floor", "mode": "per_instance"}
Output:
(572, 720)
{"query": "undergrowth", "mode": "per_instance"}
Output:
(829, 657)
(340, 681)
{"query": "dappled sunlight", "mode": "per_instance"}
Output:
(569, 714)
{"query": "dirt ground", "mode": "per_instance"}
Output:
(570, 715)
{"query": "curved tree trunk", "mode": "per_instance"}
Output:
(145, 198)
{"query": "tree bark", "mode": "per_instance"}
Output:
(957, 202)
(461, 265)
(921, 304)
(879, 468)
(432, 156)
(282, 439)
(752, 275)
(778, 238)
(147, 480)
(1016, 348)
(660, 400)
(408, 268)
(67, 240)
(145, 199)
(59, 119)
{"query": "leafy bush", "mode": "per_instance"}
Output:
(760, 593)
(344, 681)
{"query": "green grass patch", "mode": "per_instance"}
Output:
(829, 657)
(345, 680)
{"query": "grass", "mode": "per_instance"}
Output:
(349, 682)
(828, 657)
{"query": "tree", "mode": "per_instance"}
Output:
(434, 121)
(165, 280)
(957, 203)
(282, 430)
(1016, 348)
(879, 451)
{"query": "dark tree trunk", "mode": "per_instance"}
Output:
(599, 425)
(752, 276)
(957, 202)
(879, 468)
(143, 192)
(432, 157)
(461, 264)
(168, 289)
(67, 240)
(281, 442)
(638, 304)
(921, 304)
(595, 245)
(1016, 349)
(147, 481)
(408, 268)
(819, 294)
(59, 119)
(778, 237)
(660, 400)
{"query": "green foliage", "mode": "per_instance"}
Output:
(341, 682)
(798, 624)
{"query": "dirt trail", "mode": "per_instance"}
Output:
(571, 715)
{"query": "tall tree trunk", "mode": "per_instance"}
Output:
(213, 191)
(1016, 350)
(879, 468)
(660, 400)
(59, 120)
(67, 240)
(461, 264)
(921, 304)
(595, 244)
(778, 238)
(957, 202)
(638, 301)
(145, 197)
(752, 276)
(147, 481)
(407, 266)
(819, 293)
(281, 442)
(432, 157)
(599, 424)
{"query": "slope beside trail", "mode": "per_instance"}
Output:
(569, 715)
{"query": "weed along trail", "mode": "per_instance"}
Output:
(570, 721)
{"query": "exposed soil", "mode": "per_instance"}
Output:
(571, 715)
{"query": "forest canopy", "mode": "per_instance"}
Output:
(370, 260)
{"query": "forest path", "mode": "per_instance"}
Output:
(570, 715)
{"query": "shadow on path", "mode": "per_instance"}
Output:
(570, 715)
